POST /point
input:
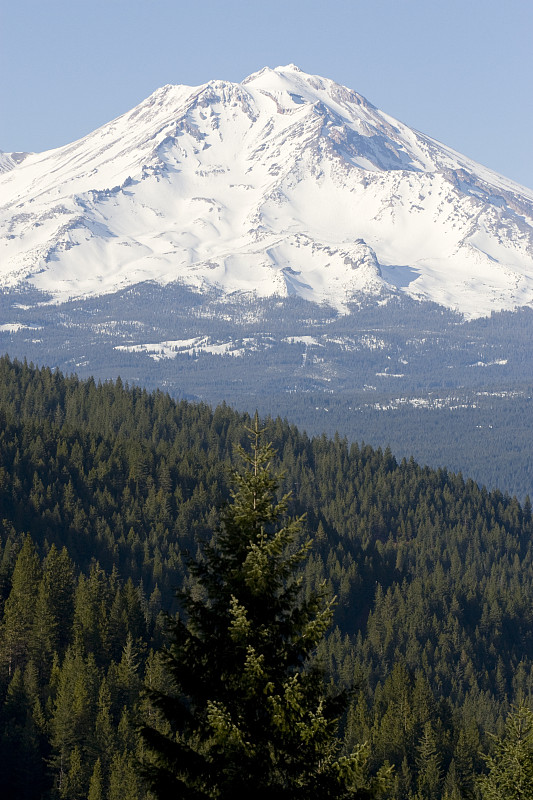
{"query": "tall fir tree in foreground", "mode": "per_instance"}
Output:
(247, 710)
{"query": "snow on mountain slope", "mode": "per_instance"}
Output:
(285, 183)
(9, 161)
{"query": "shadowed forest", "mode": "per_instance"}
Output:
(105, 489)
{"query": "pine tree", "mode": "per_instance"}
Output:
(95, 786)
(428, 762)
(248, 712)
(19, 610)
(510, 775)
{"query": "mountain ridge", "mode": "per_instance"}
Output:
(285, 183)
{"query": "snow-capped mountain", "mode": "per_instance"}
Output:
(286, 183)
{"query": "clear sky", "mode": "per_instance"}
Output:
(458, 70)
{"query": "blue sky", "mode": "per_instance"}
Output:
(458, 70)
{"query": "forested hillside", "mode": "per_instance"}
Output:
(409, 375)
(103, 490)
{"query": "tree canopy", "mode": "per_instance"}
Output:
(249, 712)
(103, 488)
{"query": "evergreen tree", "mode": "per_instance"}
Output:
(428, 762)
(16, 631)
(510, 775)
(95, 786)
(248, 711)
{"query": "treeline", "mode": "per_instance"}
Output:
(329, 381)
(103, 491)
(488, 438)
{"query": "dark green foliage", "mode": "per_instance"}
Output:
(248, 714)
(102, 488)
(411, 375)
(17, 634)
(510, 766)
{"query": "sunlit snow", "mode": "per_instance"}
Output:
(286, 183)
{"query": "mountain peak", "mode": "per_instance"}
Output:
(292, 67)
(288, 68)
(284, 183)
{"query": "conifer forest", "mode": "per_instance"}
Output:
(397, 660)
